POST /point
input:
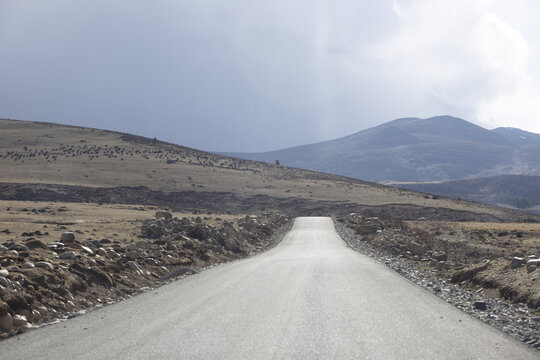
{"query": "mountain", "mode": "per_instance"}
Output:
(52, 162)
(514, 191)
(417, 150)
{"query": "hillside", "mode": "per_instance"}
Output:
(44, 161)
(83, 220)
(515, 191)
(417, 150)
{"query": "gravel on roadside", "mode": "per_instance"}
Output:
(513, 319)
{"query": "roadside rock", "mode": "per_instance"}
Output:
(18, 247)
(19, 321)
(480, 305)
(4, 272)
(36, 244)
(6, 323)
(163, 214)
(417, 249)
(467, 274)
(67, 255)
(178, 272)
(44, 265)
(13, 252)
(134, 266)
(87, 250)
(440, 256)
(153, 229)
(533, 262)
(67, 237)
(517, 262)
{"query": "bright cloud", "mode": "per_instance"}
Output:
(464, 56)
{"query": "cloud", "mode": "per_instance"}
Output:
(462, 56)
(240, 72)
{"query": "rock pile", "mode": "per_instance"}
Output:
(41, 282)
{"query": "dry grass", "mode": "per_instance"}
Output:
(90, 221)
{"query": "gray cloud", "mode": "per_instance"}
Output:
(254, 76)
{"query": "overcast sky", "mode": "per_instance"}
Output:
(245, 75)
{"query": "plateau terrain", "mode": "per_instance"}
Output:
(89, 217)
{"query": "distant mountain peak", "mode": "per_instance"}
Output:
(413, 149)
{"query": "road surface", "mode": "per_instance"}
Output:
(310, 297)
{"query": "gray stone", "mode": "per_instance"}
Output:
(6, 323)
(153, 229)
(133, 255)
(134, 266)
(131, 246)
(517, 262)
(152, 261)
(87, 250)
(439, 256)
(163, 214)
(4, 272)
(531, 268)
(178, 272)
(18, 247)
(13, 252)
(113, 254)
(67, 255)
(56, 244)
(535, 262)
(4, 282)
(28, 265)
(417, 249)
(44, 265)
(480, 305)
(67, 236)
(19, 321)
(441, 266)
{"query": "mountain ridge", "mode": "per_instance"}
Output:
(414, 149)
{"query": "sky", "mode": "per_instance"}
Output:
(247, 75)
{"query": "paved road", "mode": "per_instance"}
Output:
(311, 297)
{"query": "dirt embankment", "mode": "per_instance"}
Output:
(43, 281)
(496, 259)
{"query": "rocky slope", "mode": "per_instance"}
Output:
(42, 281)
(517, 320)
